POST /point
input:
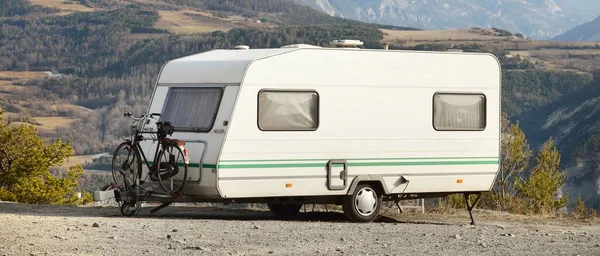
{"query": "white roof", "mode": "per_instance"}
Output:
(217, 66)
(229, 66)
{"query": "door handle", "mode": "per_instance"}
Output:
(343, 175)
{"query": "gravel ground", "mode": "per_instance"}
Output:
(193, 230)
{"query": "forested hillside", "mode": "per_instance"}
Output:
(110, 58)
(574, 122)
(531, 89)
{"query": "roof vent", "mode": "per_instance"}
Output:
(242, 47)
(346, 43)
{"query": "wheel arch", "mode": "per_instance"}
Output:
(376, 181)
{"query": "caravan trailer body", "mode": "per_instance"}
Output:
(316, 122)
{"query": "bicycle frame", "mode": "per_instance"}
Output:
(152, 167)
(137, 137)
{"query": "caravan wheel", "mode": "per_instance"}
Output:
(285, 210)
(363, 205)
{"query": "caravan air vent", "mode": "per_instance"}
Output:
(346, 43)
(242, 47)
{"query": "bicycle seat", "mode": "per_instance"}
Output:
(164, 129)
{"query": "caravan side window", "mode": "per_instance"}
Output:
(192, 108)
(459, 112)
(288, 110)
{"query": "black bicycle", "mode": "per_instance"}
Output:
(169, 166)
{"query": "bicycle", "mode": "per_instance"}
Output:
(165, 165)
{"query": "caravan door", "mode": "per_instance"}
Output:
(200, 114)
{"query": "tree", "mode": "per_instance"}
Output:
(544, 182)
(25, 162)
(581, 211)
(514, 159)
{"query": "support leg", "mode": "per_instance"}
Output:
(157, 208)
(397, 202)
(471, 206)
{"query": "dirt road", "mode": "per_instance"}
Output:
(192, 230)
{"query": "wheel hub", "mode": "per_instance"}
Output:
(365, 201)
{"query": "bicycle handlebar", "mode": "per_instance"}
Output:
(144, 115)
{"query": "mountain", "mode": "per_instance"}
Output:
(540, 19)
(589, 32)
(579, 5)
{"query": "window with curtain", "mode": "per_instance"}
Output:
(192, 108)
(288, 110)
(460, 112)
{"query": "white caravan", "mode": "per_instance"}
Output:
(296, 125)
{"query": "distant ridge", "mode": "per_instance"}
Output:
(540, 19)
(588, 32)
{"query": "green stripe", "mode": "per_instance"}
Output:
(360, 164)
(351, 164)
(359, 159)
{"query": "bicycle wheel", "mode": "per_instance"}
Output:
(126, 164)
(172, 169)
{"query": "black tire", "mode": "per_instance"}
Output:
(363, 205)
(165, 179)
(285, 210)
(125, 178)
(131, 208)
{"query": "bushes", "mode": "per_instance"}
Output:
(47, 189)
(541, 187)
(580, 211)
(25, 162)
(520, 189)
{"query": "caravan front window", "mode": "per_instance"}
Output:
(192, 108)
(288, 110)
(459, 112)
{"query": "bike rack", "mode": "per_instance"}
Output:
(142, 195)
(138, 193)
(201, 156)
